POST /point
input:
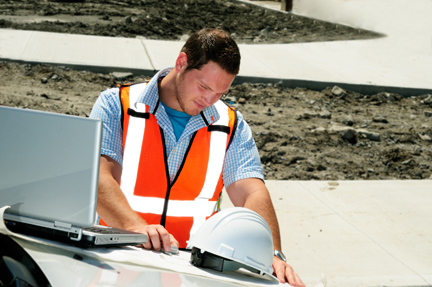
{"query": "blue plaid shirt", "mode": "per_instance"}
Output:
(241, 160)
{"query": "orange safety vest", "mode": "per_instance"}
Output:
(181, 206)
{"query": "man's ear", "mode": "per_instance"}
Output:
(181, 62)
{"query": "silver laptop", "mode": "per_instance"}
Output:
(49, 170)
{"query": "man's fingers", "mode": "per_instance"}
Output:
(280, 273)
(292, 277)
(290, 274)
(281, 277)
(173, 241)
(158, 237)
(147, 245)
(285, 273)
(165, 238)
(154, 238)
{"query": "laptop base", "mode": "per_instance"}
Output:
(88, 240)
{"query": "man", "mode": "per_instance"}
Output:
(170, 145)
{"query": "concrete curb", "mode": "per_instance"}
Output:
(317, 85)
(287, 83)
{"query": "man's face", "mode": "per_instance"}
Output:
(199, 89)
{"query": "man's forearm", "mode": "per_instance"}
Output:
(112, 205)
(114, 209)
(261, 203)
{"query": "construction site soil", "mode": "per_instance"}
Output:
(170, 20)
(301, 134)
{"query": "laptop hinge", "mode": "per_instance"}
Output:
(61, 224)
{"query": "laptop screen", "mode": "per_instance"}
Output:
(49, 165)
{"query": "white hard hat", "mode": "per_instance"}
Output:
(234, 238)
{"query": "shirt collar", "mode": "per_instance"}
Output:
(150, 97)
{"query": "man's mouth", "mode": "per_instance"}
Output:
(199, 106)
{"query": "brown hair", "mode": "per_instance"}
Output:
(212, 44)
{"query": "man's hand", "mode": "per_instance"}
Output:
(158, 237)
(284, 272)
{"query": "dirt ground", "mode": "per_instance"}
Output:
(301, 134)
(170, 20)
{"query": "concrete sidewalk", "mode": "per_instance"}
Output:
(357, 233)
(400, 62)
(402, 59)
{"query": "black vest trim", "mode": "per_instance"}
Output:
(136, 114)
(165, 209)
(156, 107)
(121, 107)
(203, 117)
(219, 128)
(234, 128)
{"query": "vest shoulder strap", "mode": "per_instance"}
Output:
(230, 113)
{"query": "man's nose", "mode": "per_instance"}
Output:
(209, 98)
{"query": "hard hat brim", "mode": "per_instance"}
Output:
(215, 262)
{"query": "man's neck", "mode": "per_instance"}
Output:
(166, 90)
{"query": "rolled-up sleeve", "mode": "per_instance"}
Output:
(242, 158)
(107, 108)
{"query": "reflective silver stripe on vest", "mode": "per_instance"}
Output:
(181, 208)
(134, 139)
(218, 142)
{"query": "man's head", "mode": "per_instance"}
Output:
(203, 72)
(215, 45)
